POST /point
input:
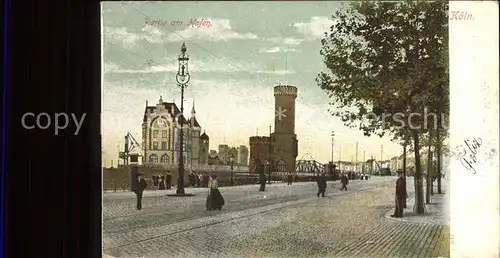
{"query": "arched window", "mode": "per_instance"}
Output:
(153, 158)
(164, 158)
(281, 166)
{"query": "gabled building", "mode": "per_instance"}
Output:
(161, 136)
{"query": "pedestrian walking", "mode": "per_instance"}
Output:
(161, 184)
(400, 196)
(344, 181)
(215, 201)
(289, 178)
(139, 189)
(169, 181)
(321, 180)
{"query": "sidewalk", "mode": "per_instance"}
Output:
(437, 212)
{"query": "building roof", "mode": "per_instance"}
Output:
(204, 136)
(194, 122)
(169, 106)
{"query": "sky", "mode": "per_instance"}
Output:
(238, 52)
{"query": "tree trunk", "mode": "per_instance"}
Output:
(419, 195)
(438, 166)
(428, 175)
(404, 171)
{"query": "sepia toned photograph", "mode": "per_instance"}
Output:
(278, 129)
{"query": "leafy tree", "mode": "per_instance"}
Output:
(387, 58)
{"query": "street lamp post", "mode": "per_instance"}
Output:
(268, 168)
(232, 165)
(331, 163)
(333, 143)
(182, 77)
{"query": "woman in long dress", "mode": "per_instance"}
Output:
(215, 200)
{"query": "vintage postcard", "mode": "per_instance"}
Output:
(300, 129)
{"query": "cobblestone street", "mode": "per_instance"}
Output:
(284, 221)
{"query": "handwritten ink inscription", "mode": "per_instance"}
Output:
(468, 154)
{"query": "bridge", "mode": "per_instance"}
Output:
(309, 167)
(306, 165)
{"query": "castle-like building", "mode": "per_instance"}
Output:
(280, 149)
(223, 156)
(161, 136)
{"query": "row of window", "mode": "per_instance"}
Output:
(153, 158)
(164, 134)
(164, 145)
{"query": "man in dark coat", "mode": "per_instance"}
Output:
(161, 184)
(321, 180)
(344, 180)
(169, 181)
(400, 195)
(289, 178)
(139, 189)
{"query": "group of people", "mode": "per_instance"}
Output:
(215, 201)
(321, 180)
(163, 182)
(198, 179)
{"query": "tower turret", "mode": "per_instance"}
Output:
(284, 113)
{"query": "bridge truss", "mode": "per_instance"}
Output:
(309, 167)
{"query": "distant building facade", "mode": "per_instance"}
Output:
(223, 156)
(204, 148)
(223, 153)
(161, 136)
(243, 153)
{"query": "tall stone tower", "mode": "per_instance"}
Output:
(284, 140)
